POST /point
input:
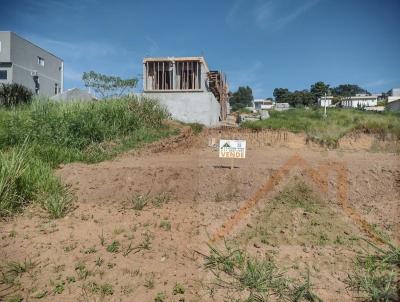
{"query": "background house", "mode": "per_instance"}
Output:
(186, 86)
(262, 104)
(359, 101)
(393, 95)
(25, 63)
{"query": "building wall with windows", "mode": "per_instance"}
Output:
(25, 63)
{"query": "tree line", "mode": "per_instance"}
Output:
(319, 89)
(243, 97)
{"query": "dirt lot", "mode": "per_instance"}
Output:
(142, 220)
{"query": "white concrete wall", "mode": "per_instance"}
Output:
(190, 107)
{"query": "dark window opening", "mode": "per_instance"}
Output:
(55, 88)
(159, 75)
(188, 75)
(3, 74)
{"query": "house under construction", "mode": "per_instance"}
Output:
(185, 85)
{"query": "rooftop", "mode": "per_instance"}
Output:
(11, 32)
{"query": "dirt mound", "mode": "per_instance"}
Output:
(140, 217)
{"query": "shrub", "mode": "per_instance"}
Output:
(14, 94)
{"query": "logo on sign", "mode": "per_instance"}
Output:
(232, 148)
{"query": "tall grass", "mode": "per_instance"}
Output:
(329, 130)
(66, 132)
(12, 167)
(377, 275)
(258, 279)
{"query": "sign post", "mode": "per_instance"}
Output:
(232, 149)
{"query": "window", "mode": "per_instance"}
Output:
(3, 74)
(55, 88)
(40, 61)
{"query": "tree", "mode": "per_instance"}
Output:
(319, 89)
(108, 86)
(242, 98)
(281, 94)
(300, 98)
(347, 90)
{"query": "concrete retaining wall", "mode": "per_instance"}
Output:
(190, 107)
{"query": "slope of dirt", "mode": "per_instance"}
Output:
(190, 193)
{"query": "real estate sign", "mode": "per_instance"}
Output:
(232, 148)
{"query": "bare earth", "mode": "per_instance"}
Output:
(192, 194)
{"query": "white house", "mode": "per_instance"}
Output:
(360, 101)
(261, 104)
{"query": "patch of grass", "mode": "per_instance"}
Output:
(36, 138)
(15, 298)
(57, 204)
(114, 247)
(90, 250)
(14, 269)
(70, 247)
(196, 127)
(71, 279)
(149, 281)
(102, 238)
(304, 292)
(12, 167)
(118, 231)
(377, 275)
(165, 225)
(161, 199)
(127, 289)
(160, 297)
(236, 271)
(105, 289)
(82, 271)
(178, 289)
(59, 288)
(99, 261)
(24, 178)
(139, 202)
(328, 131)
(297, 215)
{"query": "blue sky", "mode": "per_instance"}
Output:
(260, 43)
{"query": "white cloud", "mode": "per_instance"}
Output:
(153, 45)
(268, 14)
(297, 12)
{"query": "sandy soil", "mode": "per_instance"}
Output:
(190, 194)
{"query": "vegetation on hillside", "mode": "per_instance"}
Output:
(36, 138)
(329, 130)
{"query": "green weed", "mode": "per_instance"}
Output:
(114, 247)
